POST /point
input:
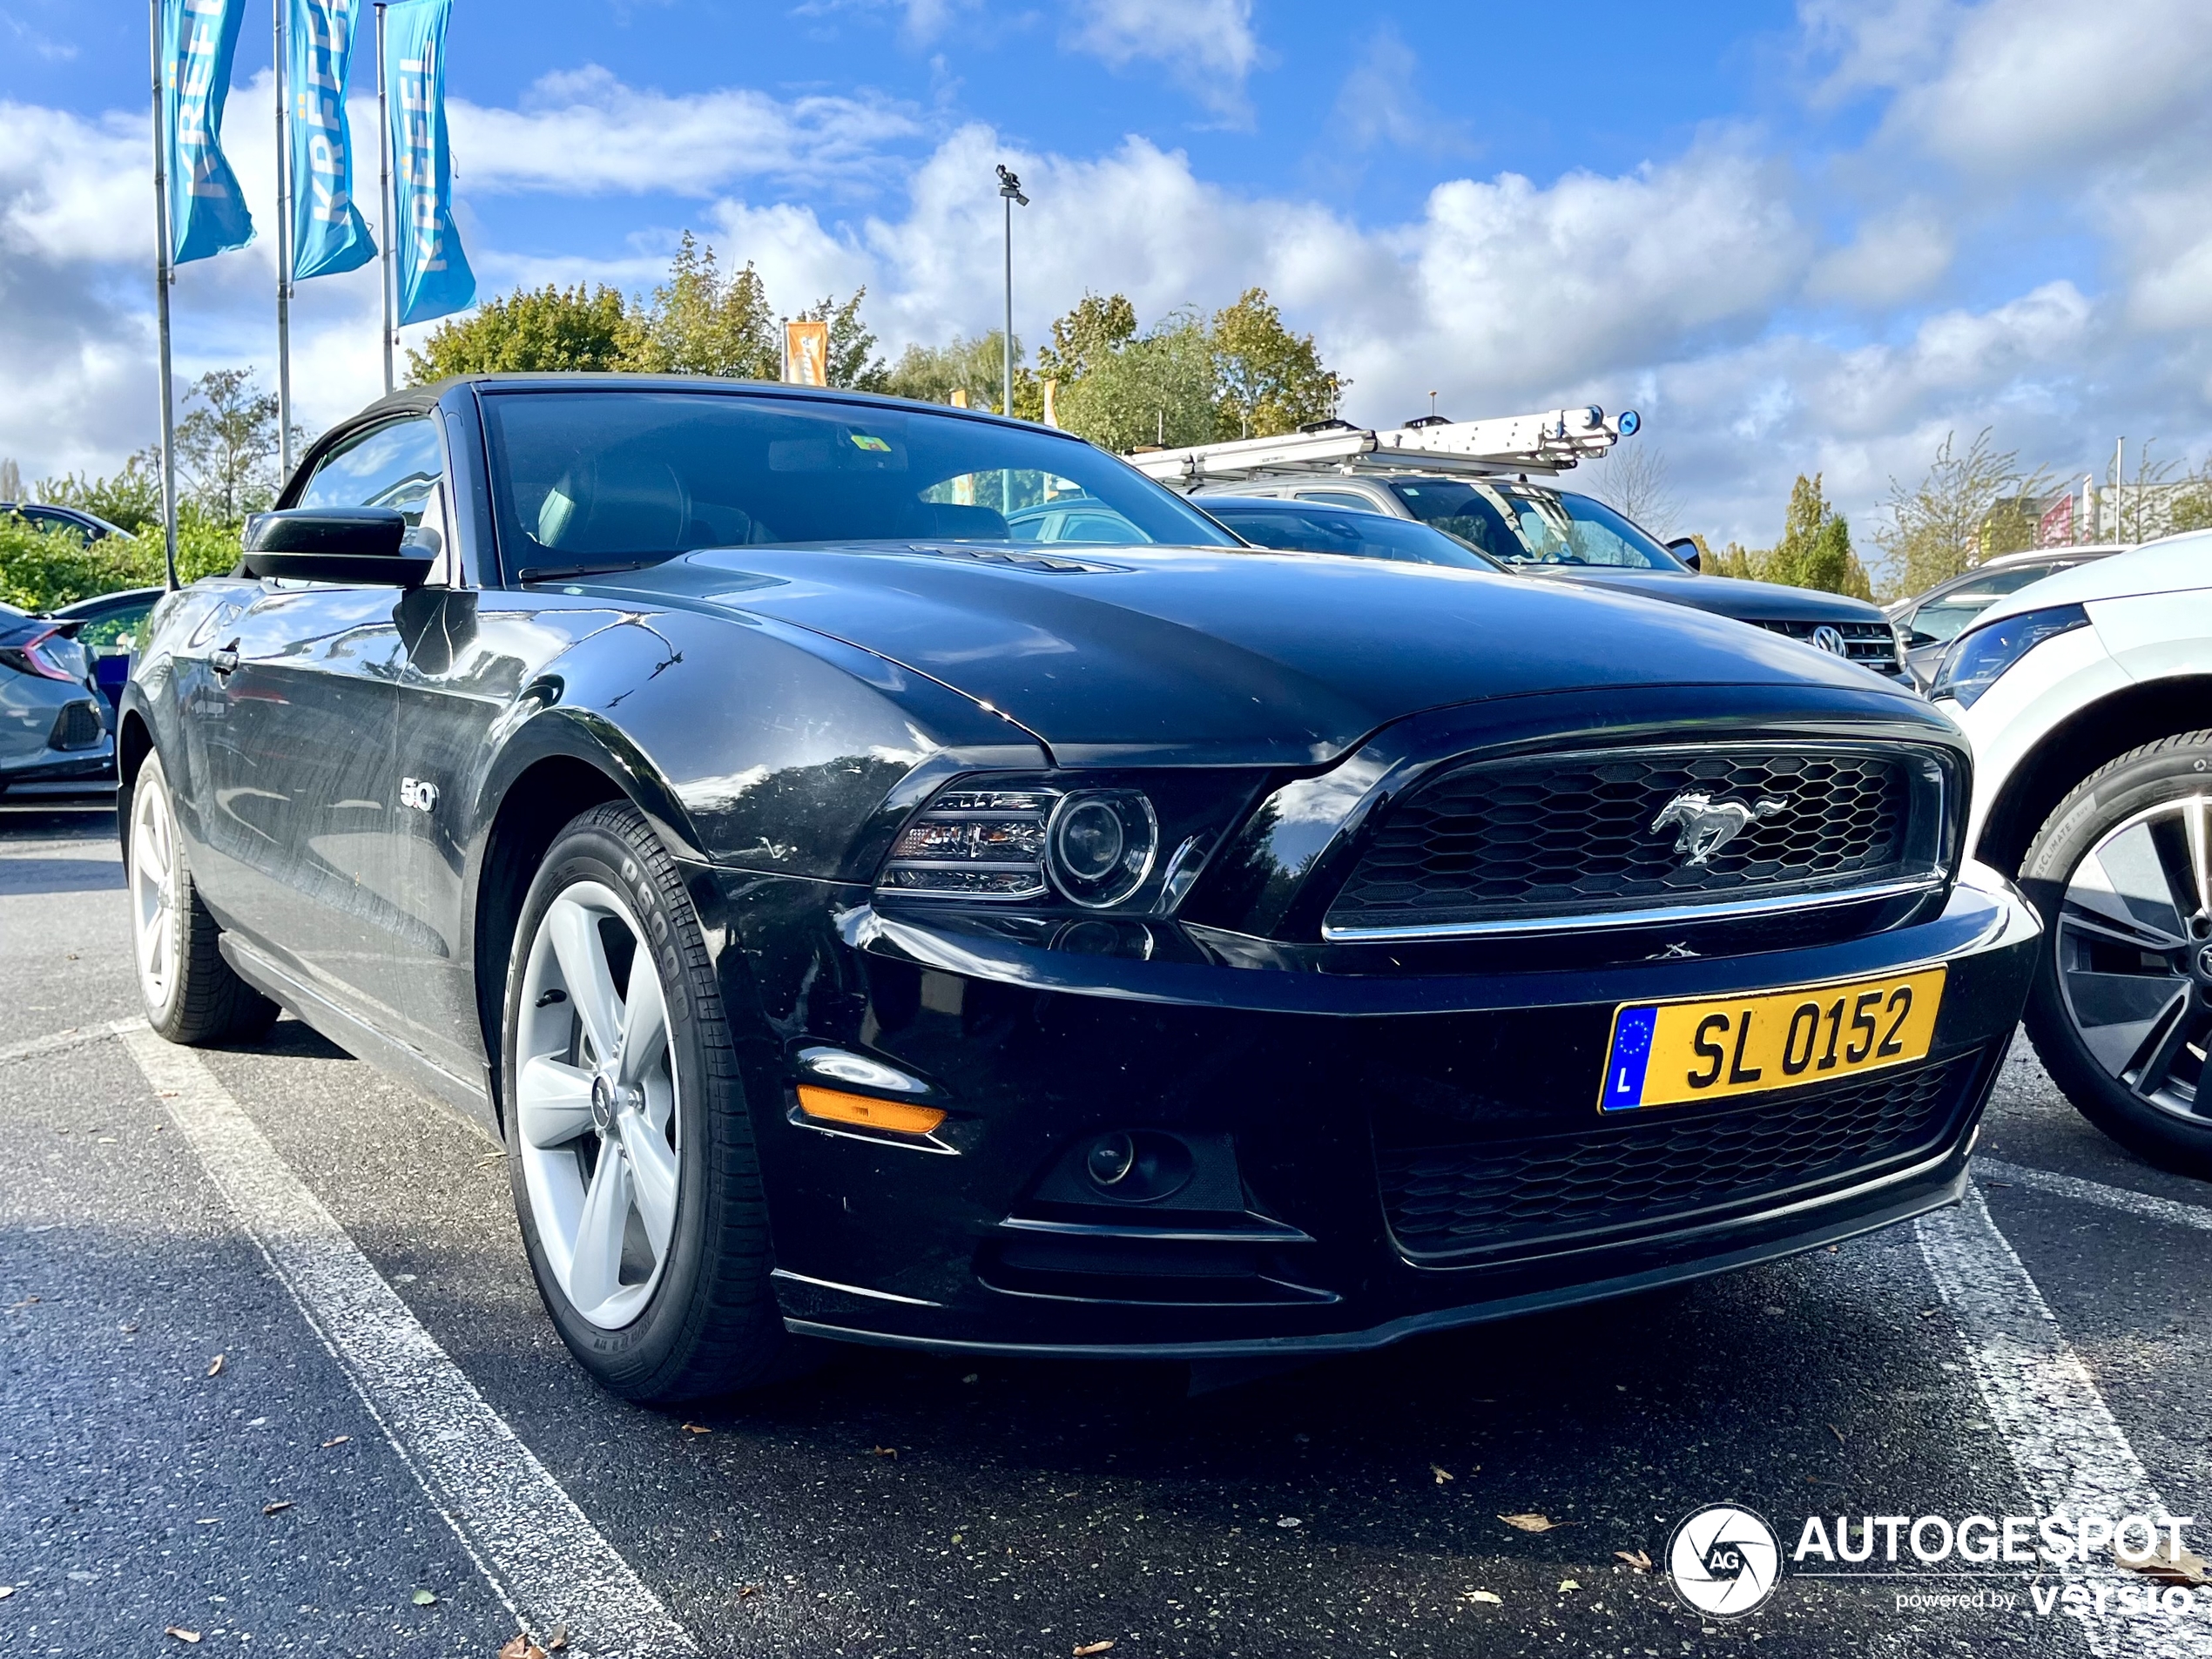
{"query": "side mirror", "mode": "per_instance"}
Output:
(1685, 548)
(357, 546)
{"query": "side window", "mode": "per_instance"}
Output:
(395, 465)
(434, 529)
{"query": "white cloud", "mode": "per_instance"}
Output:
(1208, 47)
(1380, 104)
(1896, 256)
(583, 132)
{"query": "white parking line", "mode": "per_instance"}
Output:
(54, 1042)
(545, 1561)
(2068, 1447)
(2070, 1186)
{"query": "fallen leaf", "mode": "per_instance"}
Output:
(6, 1590)
(493, 1157)
(180, 1633)
(28, 1301)
(167, 1094)
(1085, 1649)
(559, 1639)
(1567, 1584)
(1290, 1520)
(130, 1330)
(1441, 1473)
(520, 1646)
(1634, 1558)
(890, 1451)
(1837, 1433)
(335, 1439)
(425, 1598)
(215, 1367)
(1533, 1523)
(747, 1589)
(696, 1428)
(278, 1508)
(1489, 1598)
(958, 1538)
(2165, 1565)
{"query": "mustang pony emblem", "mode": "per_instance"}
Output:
(1708, 825)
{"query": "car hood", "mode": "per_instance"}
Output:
(1722, 595)
(1159, 656)
(2176, 564)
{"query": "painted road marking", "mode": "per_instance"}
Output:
(2069, 1186)
(2064, 1440)
(545, 1559)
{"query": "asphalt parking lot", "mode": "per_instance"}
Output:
(347, 1249)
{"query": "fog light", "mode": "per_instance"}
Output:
(1111, 1159)
(835, 1106)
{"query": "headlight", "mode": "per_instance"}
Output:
(1093, 847)
(1977, 657)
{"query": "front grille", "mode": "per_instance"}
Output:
(1576, 835)
(1874, 644)
(1662, 1168)
(78, 726)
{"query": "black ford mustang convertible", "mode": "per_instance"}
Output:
(859, 922)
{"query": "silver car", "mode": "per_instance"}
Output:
(54, 723)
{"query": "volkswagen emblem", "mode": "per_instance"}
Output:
(1829, 638)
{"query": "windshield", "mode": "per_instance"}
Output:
(1944, 617)
(593, 480)
(1361, 534)
(1531, 524)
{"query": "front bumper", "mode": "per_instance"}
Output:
(1372, 1154)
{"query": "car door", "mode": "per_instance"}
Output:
(302, 790)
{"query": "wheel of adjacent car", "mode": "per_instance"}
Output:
(2122, 1008)
(190, 994)
(628, 1148)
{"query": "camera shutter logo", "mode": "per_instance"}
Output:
(1724, 1562)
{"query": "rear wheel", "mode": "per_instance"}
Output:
(2121, 1009)
(190, 994)
(628, 1148)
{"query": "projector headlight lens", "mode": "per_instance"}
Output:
(1100, 845)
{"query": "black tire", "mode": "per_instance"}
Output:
(710, 1323)
(2146, 1102)
(199, 998)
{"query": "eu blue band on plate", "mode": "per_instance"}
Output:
(1631, 1053)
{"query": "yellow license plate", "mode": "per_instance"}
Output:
(1669, 1054)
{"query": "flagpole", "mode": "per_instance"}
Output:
(161, 314)
(284, 259)
(384, 191)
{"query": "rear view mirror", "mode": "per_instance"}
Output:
(1685, 548)
(357, 546)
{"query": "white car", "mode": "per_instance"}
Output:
(2088, 699)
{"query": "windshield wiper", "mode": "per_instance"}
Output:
(599, 566)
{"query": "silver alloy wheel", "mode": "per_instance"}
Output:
(153, 889)
(2134, 955)
(595, 1093)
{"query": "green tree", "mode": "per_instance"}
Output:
(1815, 550)
(226, 446)
(1159, 388)
(130, 500)
(1091, 334)
(41, 569)
(975, 367)
(853, 361)
(700, 322)
(1268, 380)
(552, 330)
(1934, 530)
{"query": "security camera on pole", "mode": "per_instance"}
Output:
(1010, 190)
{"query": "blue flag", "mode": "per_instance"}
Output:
(206, 209)
(328, 235)
(433, 274)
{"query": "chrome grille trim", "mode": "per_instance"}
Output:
(1724, 910)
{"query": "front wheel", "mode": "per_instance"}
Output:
(628, 1147)
(2120, 1014)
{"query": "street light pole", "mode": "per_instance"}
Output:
(1010, 192)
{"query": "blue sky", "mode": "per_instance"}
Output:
(1800, 236)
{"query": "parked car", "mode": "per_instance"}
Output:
(859, 924)
(1541, 530)
(90, 526)
(53, 725)
(1309, 527)
(109, 627)
(2088, 698)
(1927, 621)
